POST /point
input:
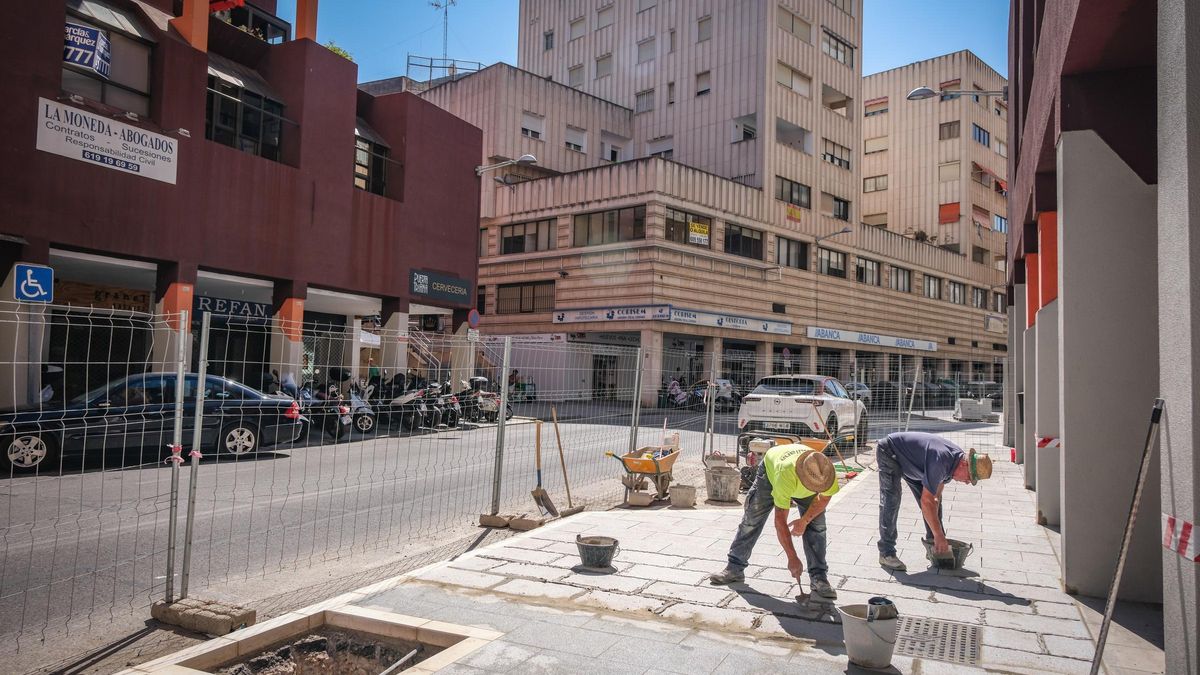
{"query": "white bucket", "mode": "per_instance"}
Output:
(868, 643)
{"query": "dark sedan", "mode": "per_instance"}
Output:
(133, 419)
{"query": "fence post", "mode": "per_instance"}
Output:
(500, 415)
(899, 390)
(637, 403)
(201, 377)
(710, 413)
(176, 445)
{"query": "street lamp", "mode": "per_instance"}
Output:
(817, 281)
(922, 93)
(524, 160)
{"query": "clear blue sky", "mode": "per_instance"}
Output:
(381, 33)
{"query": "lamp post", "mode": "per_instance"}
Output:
(817, 282)
(523, 160)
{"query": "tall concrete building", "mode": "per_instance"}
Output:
(697, 165)
(936, 169)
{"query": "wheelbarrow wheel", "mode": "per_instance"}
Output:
(663, 483)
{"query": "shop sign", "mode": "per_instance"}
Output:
(439, 286)
(732, 321)
(838, 335)
(794, 212)
(994, 324)
(531, 338)
(632, 313)
(254, 312)
(71, 132)
(619, 339)
(102, 297)
(368, 339)
(87, 47)
(698, 233)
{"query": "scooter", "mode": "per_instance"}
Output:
(325, 408)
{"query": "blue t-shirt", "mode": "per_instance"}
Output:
(927, 459)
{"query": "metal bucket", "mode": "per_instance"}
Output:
(722, 484)
(597, 552)
(959, 551)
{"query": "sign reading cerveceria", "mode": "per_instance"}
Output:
(71, 132)
(439, 286)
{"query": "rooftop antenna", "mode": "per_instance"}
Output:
(445, 6)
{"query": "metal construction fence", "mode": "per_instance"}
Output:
(152, 457)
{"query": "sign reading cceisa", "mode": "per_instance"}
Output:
(697, 318)
(439, 286)
(71, 132)
(838, 335)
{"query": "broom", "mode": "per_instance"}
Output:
(571, 508)
(540, 496)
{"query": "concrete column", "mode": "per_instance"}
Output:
(764, 353)
(1108, 364)
(1029, 337)
(712, 354)
(808, 360)
(287, 340)
(1179, 289)
(1049, 460)
(176, 286)
(393, 341)
(652, 366)
(1016, 343)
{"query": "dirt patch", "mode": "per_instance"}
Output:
(326, 651)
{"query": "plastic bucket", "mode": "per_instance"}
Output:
(683, 496)
(869, 643)
(597, 552)
(722, 483)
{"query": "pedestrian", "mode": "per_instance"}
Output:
(372, 370)
(925, 462)
(791, 473)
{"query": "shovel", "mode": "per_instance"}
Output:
(540, 496)
(571, 508)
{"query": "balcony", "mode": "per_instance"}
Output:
(257, 22)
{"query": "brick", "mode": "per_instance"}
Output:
(701, 594)
(715, 616)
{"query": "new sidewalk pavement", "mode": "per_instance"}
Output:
(657, 613)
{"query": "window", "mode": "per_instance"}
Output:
(646, 4)
(794, 25)
(670, 93)
(260, 24)
(480, 299)
(703, 83)
(867, 272)
(873, 145)
(548, 40)
(242, 119)
(875, 183)
(999, 302)
(901, 280)
(793, 192)
(979, 298)
(671, 41)
(979, 255)
(999, 223)
(948, 130)
(483, 242)
(837, 49)
(950, 90)
(745, 128)
(948, 213)
(743, 241)
(525, 298)
(831, 262)
(576, 139)
(612, 146)
(958, 293)
(933, 287)
(644, 101)
(529, 237)
(575, 76)
(704, 29)
(1001, 111)
(661, 147)
(578, 28)
(370, 166)
(532, 125)
(1000, 187)
(604, 17)
(793, 79)
(876, 220)
(837, 155)
(981, 136)
(835, 100)
(835, 207)
(981, 100)
(1001, 148)
(844, 5)
(688, 228)
(793, 136)
(606, 227)
(603, 66)
(980, 216)
(948, 172)
(791, 253)
(981, 175)
(646, 50)
(875, 107)
(126, 85)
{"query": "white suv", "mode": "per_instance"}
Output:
(803, 405)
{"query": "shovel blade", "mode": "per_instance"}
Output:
(542, 499)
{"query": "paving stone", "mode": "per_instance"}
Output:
(608, 582)
(765, 604)
(711, 595)
(715, 616)
(940, 610)
(650, 629)
(522, 555)
(788, 627)
(569, 639)
(544, 572)
(1041, 624)
(666, 574)
(1057, 610)
(1070, 647)
(888, 589)
(994, 656)
(983, 601)
(552, 662)
(475, 564)
(1010, 639)
(669, 658)
(618, 602)
(467, 578)
(538, 589)
(658, 559)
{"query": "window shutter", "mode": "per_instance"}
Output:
(948, 213)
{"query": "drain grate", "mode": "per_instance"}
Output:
(924, 638)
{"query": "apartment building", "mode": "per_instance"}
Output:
(935, 169)
(697, 195)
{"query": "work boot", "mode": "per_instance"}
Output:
(821, 587)
(726, 576)
(891, 562)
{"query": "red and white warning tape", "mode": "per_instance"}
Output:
(1177, 536)
(1048, 442)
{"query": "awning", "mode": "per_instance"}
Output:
(111, 17)
(948, 213)
(240, 76)
(361, 128)
(221, 5)
(881, 99)
(1003, 183)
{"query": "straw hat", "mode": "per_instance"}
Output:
(980, 466)
(816, 472)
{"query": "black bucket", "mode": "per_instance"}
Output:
(597, 552)
(959, 550)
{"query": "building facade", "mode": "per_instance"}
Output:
(691, 200)
(1105, 203)
(214, 163)
(936, 169)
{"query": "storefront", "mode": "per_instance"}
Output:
(239, 326)
(740, 363)
(790, 359)
(683, 359)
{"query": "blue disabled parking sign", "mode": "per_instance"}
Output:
(34, 283)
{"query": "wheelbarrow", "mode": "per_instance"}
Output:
(652, 463)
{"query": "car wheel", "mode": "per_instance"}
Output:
(860, 434)
(30, 451)
(238, 438)
(364, 423)
(831, 426)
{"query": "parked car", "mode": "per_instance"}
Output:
(985, 389)
(887, 395)
(728, 398)
(803, 405)
(137, 413)
(938, 395)
(860, 391)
